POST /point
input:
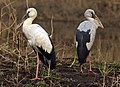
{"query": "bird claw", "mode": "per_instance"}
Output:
(35, 78)
(90, 71)
(81, 71)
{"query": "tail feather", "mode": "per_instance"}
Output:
(53, 60)
(82, 55)
(53, 57)
(44, 56)
(43, 59)
(82, 51)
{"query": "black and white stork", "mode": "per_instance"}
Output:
(85, 36)
(40, 41)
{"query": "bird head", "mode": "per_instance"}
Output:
(90, 15)
(31, 12)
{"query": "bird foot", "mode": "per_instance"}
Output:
(36, 78)
(81, 71)
(90, 71)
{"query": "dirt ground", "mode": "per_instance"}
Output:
(63, 76)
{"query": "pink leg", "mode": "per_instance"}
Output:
(90, 62)
(81, 69)
(37, 68)
(90, 69)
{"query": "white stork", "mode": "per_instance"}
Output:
(40, 41)
(85, 36)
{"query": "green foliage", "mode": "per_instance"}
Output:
(116, 67)
(38, 84)
(41, 84)
(29, 85)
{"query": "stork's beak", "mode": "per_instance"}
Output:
(24, 16)
(100, 24)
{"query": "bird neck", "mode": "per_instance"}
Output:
(92, 20)
(28, 22)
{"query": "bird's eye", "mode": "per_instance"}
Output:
(92, 13)
(28, 12)
(93, 16)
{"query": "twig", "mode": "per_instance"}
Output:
(51, 35)
(27, 3)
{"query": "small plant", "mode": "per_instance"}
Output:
(29, 85)
(105, 71)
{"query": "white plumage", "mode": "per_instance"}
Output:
(40, 41)
(85, 35)
(37, 36)
(90, 24)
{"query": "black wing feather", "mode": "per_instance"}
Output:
(82, 38)
(45, 56)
